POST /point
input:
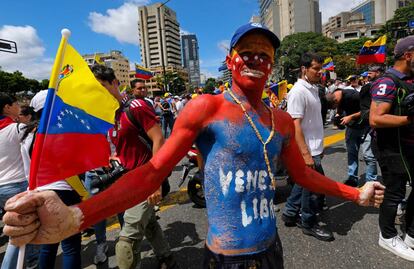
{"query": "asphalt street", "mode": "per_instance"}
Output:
(185, 227)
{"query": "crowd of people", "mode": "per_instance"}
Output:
(242, 141)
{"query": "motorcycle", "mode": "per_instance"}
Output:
(195, 185)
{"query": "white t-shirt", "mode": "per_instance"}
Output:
(303, 103)
(25, 153)
(11, 163)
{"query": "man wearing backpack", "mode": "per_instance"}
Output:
(391, 114)
(137, 137)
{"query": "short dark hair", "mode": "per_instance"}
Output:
(6, 99)
(135, 81)
(103, 72)
(308, 57)
(27, 110)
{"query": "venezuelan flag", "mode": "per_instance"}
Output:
(328, 64)
(373, 52)
(71, 138)
(98, 60)
(142, 73)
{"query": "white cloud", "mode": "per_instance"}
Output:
(30, 52)
(331, 8)
(209, 74)
(184, 32)
(120, 23)
(224, 46)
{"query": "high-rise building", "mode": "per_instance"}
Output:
(286, 17)
(115, 60)
(159, 36)
(384, 9)
(191, 58)
(364, 20)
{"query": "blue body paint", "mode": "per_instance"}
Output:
(238, 190)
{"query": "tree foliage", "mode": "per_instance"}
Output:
(15, 82)
(293, 46)
(351, 47)
(175, 83)
(210, 85)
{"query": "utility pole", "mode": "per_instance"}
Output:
(161, 43)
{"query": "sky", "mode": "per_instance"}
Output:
(104, 25)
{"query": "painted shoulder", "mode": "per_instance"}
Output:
(283, 121)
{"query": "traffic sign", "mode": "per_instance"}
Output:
(8, 46)
(411, 23)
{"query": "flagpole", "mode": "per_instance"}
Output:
(53, 83)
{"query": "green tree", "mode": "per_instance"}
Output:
(293, 46)
(175, 83)
(44, 84)
(396, 27)
(345, 65)
(351, 47)
(210, 85)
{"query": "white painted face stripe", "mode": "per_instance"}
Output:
(237, 59)
(256, 57)
(245, 58)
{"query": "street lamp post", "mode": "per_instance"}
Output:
(161, 42)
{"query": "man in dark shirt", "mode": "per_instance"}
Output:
(348, 101)
(394, 146)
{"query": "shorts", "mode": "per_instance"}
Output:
(272, 258)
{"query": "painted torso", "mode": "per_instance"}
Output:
(238, 190)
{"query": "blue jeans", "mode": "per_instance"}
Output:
(371, 172)
(303, 201)
(10, 257)
(100, 227)
(71, 246)
(167, 123)
(354, 139)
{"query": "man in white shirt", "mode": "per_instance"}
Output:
(304, 105)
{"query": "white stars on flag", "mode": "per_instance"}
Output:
(68, 117)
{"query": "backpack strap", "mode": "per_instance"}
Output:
(144, 139)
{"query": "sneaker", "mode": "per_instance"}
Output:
(319, 232)
(101, 250)
(351, 182)
(397, 246)
(409, 241)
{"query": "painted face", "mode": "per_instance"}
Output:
(251, 61)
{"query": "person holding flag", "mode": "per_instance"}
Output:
(238, 137)
(12, 175)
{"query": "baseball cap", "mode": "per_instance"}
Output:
(351, 77)
(38, 101)
(403, 45)
(254, 27)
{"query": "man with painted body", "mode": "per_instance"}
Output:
(240, 139)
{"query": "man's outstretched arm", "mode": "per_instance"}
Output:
(371, 193)
(40, 217)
